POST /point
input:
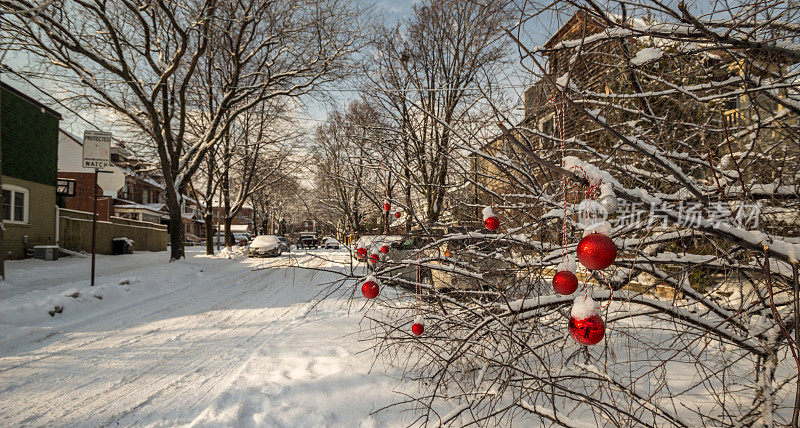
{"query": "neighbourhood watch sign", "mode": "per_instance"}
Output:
(96, 149)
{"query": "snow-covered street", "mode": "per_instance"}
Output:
(202, 342)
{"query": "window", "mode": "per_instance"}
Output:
(15, 204)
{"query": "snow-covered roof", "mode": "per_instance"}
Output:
(153, 208)
(131, 173)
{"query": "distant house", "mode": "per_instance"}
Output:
(193, 225)
(29, 144)
(143, 198)
(241, 223)
(151, 213)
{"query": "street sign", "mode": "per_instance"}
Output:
(111, 181)
(96, 149)
(96, 155)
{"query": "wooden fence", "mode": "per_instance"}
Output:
(75, 233)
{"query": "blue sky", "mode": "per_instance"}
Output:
(391, 11)
(395, 9)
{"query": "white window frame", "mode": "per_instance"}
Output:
(26, 203)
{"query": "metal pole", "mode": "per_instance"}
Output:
(94, 221)
(2, 237)
(796, 281)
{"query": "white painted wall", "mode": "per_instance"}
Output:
(70, 153)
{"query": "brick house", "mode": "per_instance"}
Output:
(243, 219)
(142, 198)
(29, 147)
(602, 68)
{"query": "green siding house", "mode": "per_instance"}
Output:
(29, 157)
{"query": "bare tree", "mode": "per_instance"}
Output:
(349, 171)
(142, 59)
(253, 156)
(432, 75)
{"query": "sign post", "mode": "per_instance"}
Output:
(96, 155)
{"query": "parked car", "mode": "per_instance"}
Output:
(241, 239)
(265, 245)
(330, 242)
(308, 242)
(285, 244)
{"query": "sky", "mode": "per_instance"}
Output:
(311, 113)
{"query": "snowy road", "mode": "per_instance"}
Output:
(205, 342)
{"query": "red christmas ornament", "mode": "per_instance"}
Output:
(370, 289)
(387, 206)
(385, 249)
(565, 282)
(587, 331)
(374, 258)
(361, 252)
(596, 251)
(397, 214)
(492, 223)
(417, 329)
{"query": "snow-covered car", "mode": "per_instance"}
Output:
(265, 245)
(330, 242)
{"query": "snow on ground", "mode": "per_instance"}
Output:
(208, 341)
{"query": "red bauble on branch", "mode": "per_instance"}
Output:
(387, 206)
(490, 220)
(585, 325)
(565, 282)
(596, 251)
(370, 289)
(418, 327)
(374, 258)
(587, 331)
(385, 249)
(397, 214)
(361, 253)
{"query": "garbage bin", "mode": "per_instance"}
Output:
(119, 246)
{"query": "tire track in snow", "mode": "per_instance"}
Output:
(195, 377)
(69, 343)
(147, 394)
(55, 395)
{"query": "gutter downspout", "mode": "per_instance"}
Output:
(58, 225)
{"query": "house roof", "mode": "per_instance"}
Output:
(139, 176)
(31, 100)
(579, 16)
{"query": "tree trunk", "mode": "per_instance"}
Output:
(209, 219)
(255, 224)
(228, 235)
(175, 228)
